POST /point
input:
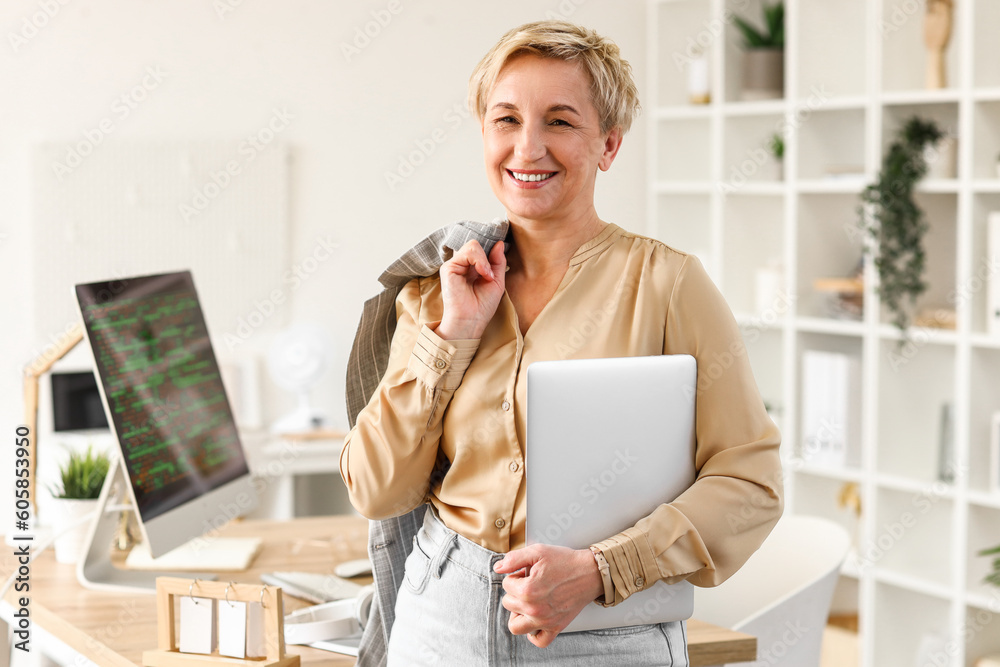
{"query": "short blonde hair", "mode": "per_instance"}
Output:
(613, 89)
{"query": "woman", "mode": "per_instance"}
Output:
(554, 101)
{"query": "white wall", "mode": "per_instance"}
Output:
(223, 73)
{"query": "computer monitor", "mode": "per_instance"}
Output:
(162, 390)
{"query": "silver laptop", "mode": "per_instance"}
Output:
(608, 441)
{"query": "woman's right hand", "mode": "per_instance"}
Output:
(471, 287)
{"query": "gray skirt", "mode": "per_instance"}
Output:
(448, 612)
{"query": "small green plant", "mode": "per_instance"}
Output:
(777, 145)
(82, 476)
(896, 224)
(994, 576)
(773, 35)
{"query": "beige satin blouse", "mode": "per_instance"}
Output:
(622, 295)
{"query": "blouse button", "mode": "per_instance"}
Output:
(639, 582)
(505, 405)
(440, 363)
(499, 523)
(514, 466)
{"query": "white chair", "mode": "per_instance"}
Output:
(782, 594)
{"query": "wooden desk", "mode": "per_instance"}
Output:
(113, 629)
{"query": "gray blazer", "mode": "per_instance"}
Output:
(390, 540)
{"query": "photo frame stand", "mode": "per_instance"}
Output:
(167, 653)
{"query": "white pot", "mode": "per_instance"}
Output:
(66, 512)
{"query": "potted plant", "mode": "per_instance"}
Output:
(81, 479)
(891, 219)
(776, 145)
(764, 54)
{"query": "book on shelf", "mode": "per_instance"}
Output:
(831, 419)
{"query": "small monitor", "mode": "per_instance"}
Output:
(162, 388)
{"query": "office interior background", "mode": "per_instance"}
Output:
(287, 152)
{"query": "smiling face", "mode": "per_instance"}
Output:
(542, 141)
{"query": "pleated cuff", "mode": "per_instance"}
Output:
(439, 363)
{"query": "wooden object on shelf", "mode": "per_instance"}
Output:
(839, 285)
(167, 653)
(32, 374)
(318, 434)
(847, 295)
(937, 318)
(937, 34)
(844, 621)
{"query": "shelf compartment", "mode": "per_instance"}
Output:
(986, 129)
(733, 46)
(681, 27)
(912, 538)
(903, 52)
(904, 620)
(975, 284)
(829, 246)
(746, 156)
(984, 533)
(829, 142)
(984, 372)
(985, 46)
(914, 382)
(944, 114)
(833, 28)
(980, 629)
(754, 234)
(685, 150)
(940, 247)
(830, 423)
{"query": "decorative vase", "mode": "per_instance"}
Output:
(763, 74)
(69, 511)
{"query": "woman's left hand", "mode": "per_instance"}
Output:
(546, 587)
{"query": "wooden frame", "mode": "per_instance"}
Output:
(167, 653)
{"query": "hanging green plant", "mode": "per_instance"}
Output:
(889, 215)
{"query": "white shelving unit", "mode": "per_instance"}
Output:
(854, 72)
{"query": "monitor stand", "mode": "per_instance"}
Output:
(95, 569)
